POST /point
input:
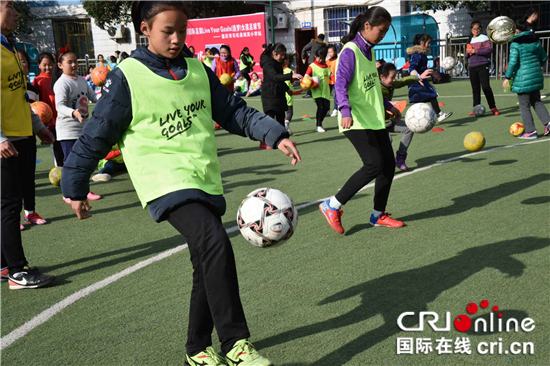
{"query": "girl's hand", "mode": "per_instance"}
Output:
(396, 114)
(285, 145)
(45, 136)
(347, 122)
(7, 150)
(505, 84)
(426, 74)
(80, 208)
(297, 76)
(77, 115)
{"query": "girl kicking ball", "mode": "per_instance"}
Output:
(167, 139)
(361, 118)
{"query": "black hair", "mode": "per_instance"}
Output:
(206, 49)
(147, 10)
(471, 26)
(228, 50)
(375, 15)
(57, 71)
(278, 48)
(117, 51)
(112, 59)
(245, 49)
(27, 58)
(44, 55)
(332, 46)
(193, 47)
(421, 38)
(384, 69)
(101, 56)
(214, 51)
(124, 55)
(522, 25)
(321, 37)
(530, 12)
(264, 46)
(321, 52)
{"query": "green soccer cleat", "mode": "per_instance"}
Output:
(243, 353)
(208, 357)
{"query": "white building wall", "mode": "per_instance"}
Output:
(107, 46)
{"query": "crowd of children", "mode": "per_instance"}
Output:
(120, 136)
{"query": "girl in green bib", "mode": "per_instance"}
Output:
(361, 118)
(158, 106)
(321, 93)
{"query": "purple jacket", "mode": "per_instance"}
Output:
(484, 49)
(236, 66)
(345, 72)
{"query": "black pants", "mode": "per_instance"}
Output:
(12, 247)
(323, 106)
(67, 146)
(246, 74)
(215, 297)
(290, 113)
(435, 106)
(57, 150)
(480, 75)
(374, 148)
(27, 168)
(278, 116)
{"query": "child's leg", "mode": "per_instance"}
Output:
(111, 168)
(539, 108)
(484, 78)
(289, 113)
(323, 106)
(401, 127)
(525, 109)
(474, 81)
(386, 172)
(27, 168)
(365, 143)
(67, 146)
(215, 297)
(255, 93)
(435, 106)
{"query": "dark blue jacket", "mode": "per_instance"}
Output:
(112, 116)
(419, 62)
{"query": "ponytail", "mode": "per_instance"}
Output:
(421, 38)
(374, 16)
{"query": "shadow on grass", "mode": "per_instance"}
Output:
(536, 200)
(406, 291)
(503, 162)
(479, 199)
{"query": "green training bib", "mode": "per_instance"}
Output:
(289, 98)
(323, 91)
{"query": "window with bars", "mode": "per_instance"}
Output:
(141, 40)
(77, 33)
(337, 20)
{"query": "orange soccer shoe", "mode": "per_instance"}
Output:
(333, 216)
(385, 220)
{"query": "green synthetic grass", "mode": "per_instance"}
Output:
(477, 228)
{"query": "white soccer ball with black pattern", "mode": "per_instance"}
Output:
(267, 217)
(420, 118)
(448, 63)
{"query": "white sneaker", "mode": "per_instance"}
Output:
(287, 127)
(443, 116)
(101, 177)
(320, 129)
(334, 113)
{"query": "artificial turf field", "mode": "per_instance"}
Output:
(477, 229)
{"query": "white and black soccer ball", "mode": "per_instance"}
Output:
(448, 63)
(501, 30)
(267, 217)
(479, 110)
(420, 118)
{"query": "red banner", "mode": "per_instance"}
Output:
(237, 32)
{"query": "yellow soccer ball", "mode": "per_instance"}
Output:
(517, 129)
(226, 79)
(55, 176)
(474, 141)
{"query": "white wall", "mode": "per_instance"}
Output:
(107, 46)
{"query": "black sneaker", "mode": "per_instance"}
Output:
(29, 278)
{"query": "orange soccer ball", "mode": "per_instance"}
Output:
(306, 83)
(43, 111)
(517, 129)
(99, 75)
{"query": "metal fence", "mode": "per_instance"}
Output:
(456, 47)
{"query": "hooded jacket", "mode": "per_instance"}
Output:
(419, 63)
(113, 114)
(312, 46)
(526, 59)
(273, 86)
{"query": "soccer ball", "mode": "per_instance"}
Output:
(306, 83)
(479, 110)
(474, 141)
(55, 176)
(267, 217)
(226, 79)
(99, 74)
(43, 111)
(501, 30)
(517, 129)
(420, 118)
(316, 82)
(448, 63)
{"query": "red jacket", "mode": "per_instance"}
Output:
(43, 83)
